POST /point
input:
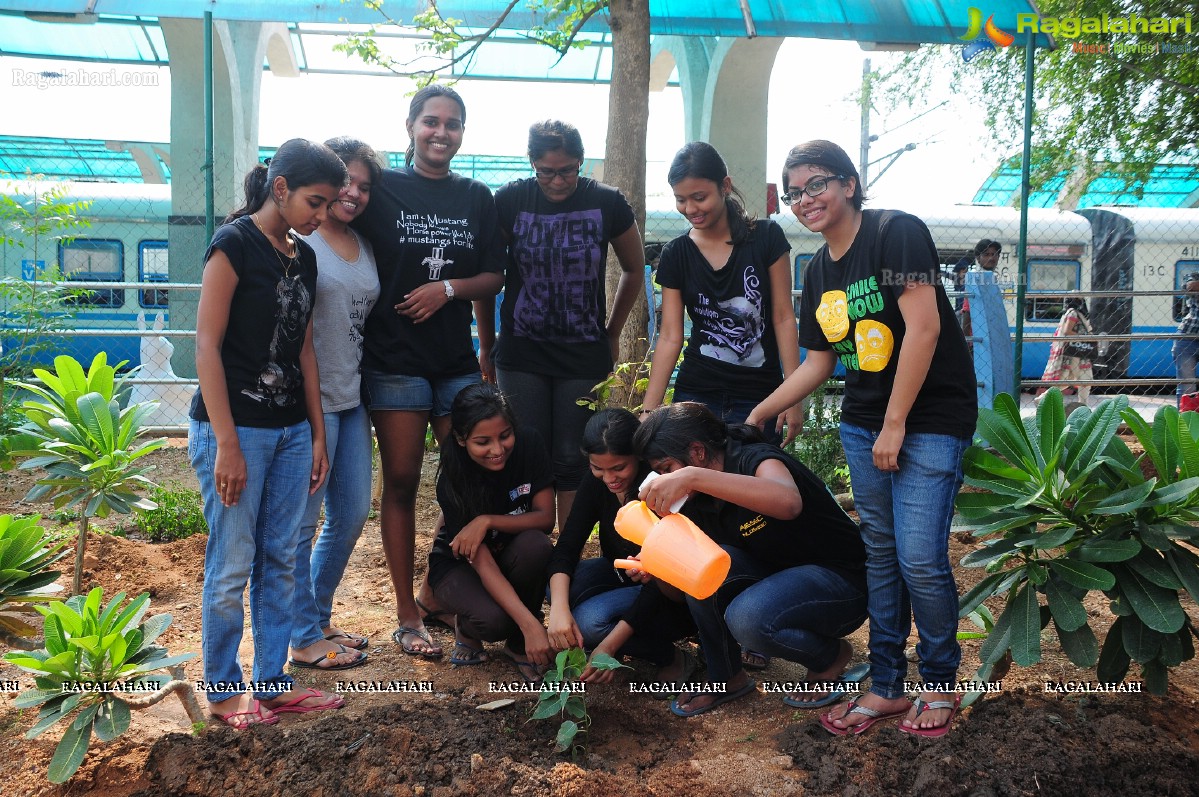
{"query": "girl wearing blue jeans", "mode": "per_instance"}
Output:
(796, 584)
(257, 439)
(347, 286)
(873, 301)
(593, 605)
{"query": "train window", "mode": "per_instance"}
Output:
(801, 262)
(94, 260)
(1057, 277)
(152, 267)
(1181, 269)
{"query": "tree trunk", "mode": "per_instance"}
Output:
(80, 550)
(624, 151)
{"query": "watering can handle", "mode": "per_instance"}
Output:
(628, 564)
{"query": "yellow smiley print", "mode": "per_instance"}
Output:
(833, 315)
(874, 343)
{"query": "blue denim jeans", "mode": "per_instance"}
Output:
(905, 518)
(729, 410)
(346, 495)
(253, 541)
(598, 601)
(799, 614)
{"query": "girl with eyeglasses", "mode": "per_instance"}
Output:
(731, 274)
(556, 339)
(437, 245)
(873, 300)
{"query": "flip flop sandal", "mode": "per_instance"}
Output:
(432, 617)
(319, 664)
(721, 699)
(359, 641)
(473, 655)
(529, 672)
(871, 715)
(691, 665)
(293, 706)
(255, 714)
(752, 660)
(932, 705)
(398, 637)
(831, 691)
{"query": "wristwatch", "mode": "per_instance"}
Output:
(449, 289)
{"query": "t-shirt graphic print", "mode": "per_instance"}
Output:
(561, 259)
(731, 331)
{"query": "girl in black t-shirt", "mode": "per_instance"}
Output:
(796, 584)
(487, 565)
(257, 437)
(593, 605)
(557, 340)
(732, 276)
(873, 300)
(436, 242)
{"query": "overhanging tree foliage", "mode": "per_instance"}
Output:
(1134, 102)
(559, 25)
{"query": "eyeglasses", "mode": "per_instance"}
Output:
(548, 175)
(815, 187)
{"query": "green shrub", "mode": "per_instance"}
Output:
(179, 514)
(819, 444)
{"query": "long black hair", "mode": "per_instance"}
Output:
(298, 161)
(468, 492)
(701, 160)
(418, 104)
(610, 431)
(670, 431)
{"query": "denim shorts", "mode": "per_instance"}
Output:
(382, 391)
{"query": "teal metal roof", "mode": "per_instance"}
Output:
(1173, 183)
(125, 31)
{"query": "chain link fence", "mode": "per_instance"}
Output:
(1124, 268)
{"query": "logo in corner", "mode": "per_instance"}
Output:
(994, 36)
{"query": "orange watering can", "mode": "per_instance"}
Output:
(672, 549)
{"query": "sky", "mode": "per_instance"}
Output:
(811, 96)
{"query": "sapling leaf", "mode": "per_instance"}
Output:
(1079, 645)
(566, 736)
(1113, 658)
(112, 719)
(602, 661)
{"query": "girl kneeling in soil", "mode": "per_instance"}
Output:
(257, 437)
(495, 486)
(593, 605)
(797, 583)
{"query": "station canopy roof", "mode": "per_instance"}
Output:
(127, 31)
(1172, 183)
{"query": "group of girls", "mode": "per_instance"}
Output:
(378, 302)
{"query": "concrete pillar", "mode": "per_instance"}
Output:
(238, 51)
(725, 84)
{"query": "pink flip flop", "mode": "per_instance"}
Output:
(293, 706)
(932, 705)
(255, 714)
(872, 717)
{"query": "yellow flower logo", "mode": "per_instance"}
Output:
(874, 343)
(833, 315)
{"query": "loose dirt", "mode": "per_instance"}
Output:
(1021, 741)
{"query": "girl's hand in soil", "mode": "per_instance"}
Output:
(564, 632)
(467, 542)
(537, 645)
(229, 473)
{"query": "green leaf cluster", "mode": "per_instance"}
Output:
(95, 658)
(178, 513)
(1065, 509)
(557, 699)
(26, 553)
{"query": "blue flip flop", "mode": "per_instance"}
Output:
(838, 690)
(721, 699)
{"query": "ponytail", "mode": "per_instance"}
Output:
(257, 190)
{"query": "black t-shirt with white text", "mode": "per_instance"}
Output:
(732, 345)
(268, 319)
(822, 534)
(424, 230)
(554, 315)
(851, 307)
